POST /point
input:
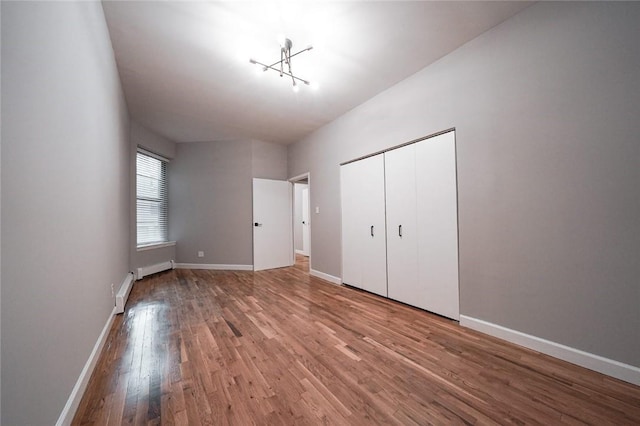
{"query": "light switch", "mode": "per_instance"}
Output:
(317, 209)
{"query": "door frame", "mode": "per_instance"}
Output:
(300, 179)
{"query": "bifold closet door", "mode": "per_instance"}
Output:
(364, 262)
(402, 237)
(437, 210)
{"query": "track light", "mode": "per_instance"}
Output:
(283, 66)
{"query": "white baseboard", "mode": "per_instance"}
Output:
(123, 293)
(326, 277)
(214, 266)
(610, 367)
(152, 269)
(73, 402)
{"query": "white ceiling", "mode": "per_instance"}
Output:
(186, 74)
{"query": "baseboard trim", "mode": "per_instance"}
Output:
(70, 408)
(610, 367)
(123, 293)
(214, 266)
(326, 277)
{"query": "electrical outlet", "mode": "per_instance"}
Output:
(200, 254)
(113, 291)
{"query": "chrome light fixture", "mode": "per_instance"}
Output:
(283, 66)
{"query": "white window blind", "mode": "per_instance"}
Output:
(152, 199)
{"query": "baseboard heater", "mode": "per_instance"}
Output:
(152, 269)
(123, 293)
(127, 285)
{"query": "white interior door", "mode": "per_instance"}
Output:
(437, 208)
(402, 236)
(364, 262)
(305, 222)
(272, 233)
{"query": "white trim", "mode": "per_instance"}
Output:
(326, 277)
(610, 367)
(123, 293)
(152, 154)
(303, 176)
(152, 269)
(301, 252)
(155, 246)
(214, 266)
(70, 408)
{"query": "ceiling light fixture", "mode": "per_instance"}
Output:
(284, 64)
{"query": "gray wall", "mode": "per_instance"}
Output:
(210, 206)
(297, 214)
(0, 237)
(268, 160)
(141, 136)
(0, 241)
(65, 200)
(546, 109)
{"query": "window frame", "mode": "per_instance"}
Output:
(162, 201)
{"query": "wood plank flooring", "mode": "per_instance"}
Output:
(279, 347)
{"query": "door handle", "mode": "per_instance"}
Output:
(400, 231)
(257, 224)
(304, 223)
(372, 230)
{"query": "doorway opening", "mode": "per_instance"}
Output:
(302, 221)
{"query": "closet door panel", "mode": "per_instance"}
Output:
(402, 238)
(372, 225)
(351, 242)
(364, 263)
(438, 232)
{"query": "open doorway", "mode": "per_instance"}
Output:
(302, 221)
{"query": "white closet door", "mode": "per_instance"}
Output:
(364, 262)
(351, 250)
(438, 231)
(402, 237)
(372, 225)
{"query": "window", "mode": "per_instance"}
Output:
(151, 199)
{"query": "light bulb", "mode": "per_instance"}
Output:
(258, 69)
(314, 85)
(296, 88)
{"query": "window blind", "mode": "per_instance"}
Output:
(151, 200)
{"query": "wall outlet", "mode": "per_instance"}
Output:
(113, 291)
(200, 254)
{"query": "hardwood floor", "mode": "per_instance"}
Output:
(302, 263)
(279, 347)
